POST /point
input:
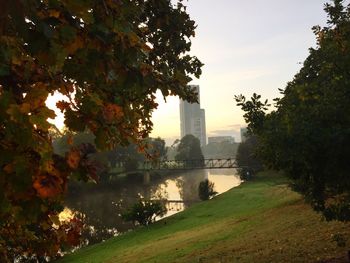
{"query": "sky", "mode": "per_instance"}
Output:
(246, 46)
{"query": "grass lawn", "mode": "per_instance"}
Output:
(259, 221)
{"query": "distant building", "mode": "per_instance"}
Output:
(192, 119)
(220, 139)
(244, 134)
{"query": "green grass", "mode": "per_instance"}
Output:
(259, 221)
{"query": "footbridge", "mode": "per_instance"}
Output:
(190, 164)
(172, 165)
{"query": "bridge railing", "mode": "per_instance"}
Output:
(190, 164)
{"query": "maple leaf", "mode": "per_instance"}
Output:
(62, 105)
(48, 185)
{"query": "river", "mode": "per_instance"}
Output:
(100, 206)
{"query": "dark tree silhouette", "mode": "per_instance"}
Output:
(308, 135)
(189, 149)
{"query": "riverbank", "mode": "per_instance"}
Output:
(259, 221)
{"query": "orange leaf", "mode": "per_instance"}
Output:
(8, 168)
(75, 45)
(66, 88)
(73, 158)
(73, 237)
(70, 140)
(54, 13)
(48, 185)
(62, 105)
(25, 108)
(133, 39)
(112, 112)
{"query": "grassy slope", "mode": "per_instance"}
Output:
(260, 221)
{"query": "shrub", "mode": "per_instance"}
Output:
(245, 173)
(206, 190)
(144, 212)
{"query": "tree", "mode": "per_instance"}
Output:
(171, 151)
(129, 156)
(220, 150)
(246, 158)
(108, 58)
(189, 150)
(63, 142)
(308, 134)
(132, 157)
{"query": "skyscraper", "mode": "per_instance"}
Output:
(192, 119)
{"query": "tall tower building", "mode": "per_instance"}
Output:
(192, 119)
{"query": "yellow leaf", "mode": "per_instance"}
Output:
(25, 108)
(55, 220)
(54, 13)
(133, 39)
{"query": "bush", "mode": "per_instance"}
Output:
(206, 190)
(245, 174)
(144, 212)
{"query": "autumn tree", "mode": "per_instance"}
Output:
(308, 135)
(108, 57)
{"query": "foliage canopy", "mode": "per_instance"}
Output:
(108, 57)
(308, 134)
(189, 149)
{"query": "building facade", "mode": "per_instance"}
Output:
(220, 139)
(192, 119)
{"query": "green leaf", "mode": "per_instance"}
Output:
(73, 121)
(4, 70)
(68, 33)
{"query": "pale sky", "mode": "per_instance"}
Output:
(246, 46)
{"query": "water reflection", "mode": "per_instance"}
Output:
(223, 179)
(100, 207)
